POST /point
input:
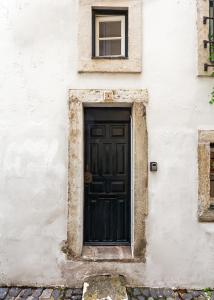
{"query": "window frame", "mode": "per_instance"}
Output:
(103, 18)
(205, 201)
(114, 13)
(205, 64)
(211, 30)
(132, 64)
(211, 175)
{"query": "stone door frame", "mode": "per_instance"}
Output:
(137, 100)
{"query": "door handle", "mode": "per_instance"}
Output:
(88, 177)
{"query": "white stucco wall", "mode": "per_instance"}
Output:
(38, 62)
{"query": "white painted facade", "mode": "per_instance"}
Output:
(39, 63)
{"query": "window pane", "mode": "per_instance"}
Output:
(212, 170)
(110, 29)
(108, 48)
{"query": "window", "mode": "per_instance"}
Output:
(210, 40)
(110, 36)
(206, 175)
(206, 37)
(110, 33)
(211, 30)
(212, 173)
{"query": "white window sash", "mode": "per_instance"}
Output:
(106, 19)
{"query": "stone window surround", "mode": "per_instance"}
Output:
(131, 64)
(205, 137)
(136, 99)
(203, 32)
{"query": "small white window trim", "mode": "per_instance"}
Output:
(122, 37)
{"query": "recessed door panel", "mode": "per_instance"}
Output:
(117, 131)
(107, 158)
(121, 153)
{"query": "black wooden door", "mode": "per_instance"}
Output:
(107, 176)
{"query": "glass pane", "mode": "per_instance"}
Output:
(110, 29)
(110, 47)
(212, 170)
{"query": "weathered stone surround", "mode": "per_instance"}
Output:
(205, 213)
(137, 100)
(134, 62)
(139, 293)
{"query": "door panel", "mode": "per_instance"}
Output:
(107, 161)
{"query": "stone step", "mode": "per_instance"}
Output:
(105, 287)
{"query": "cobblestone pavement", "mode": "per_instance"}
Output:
(17, 293)
(169, 294)
(28, 293)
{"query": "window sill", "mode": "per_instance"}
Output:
(207, 216)
(107, 253)
(109, 57)
(211, 202)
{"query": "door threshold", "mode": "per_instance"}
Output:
(107, 253)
